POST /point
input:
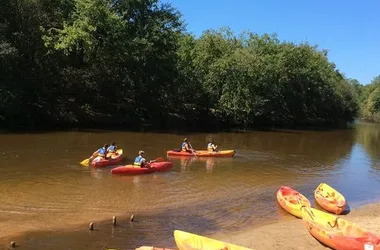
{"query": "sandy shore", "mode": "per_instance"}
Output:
(288, 233)
(291, 234)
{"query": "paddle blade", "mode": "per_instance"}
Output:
(159, 159)
(85, 162)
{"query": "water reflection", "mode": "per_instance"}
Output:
(368, 135)
(209, 162)
(185, 161)
(200, 193)
(96, 173)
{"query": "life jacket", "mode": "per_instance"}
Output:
(210, 148)
(184, 146)
(102, 152)
(111, 149)
(138, 160)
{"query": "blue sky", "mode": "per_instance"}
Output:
(349, 29)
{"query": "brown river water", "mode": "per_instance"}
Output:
(47, 199)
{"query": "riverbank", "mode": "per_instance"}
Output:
(287, 233)
(291, 234)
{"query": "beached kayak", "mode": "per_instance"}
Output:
(336, 232)
(135, 170)
(152, 248)
(291, 200)
(189, 241)
(330, 199)
(115, 159)
(203, 153)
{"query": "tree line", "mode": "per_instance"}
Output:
(131, 63)
(369, 99)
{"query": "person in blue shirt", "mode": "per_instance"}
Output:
(140, 161)
(111, 149)
(186, 146)
(99, 154)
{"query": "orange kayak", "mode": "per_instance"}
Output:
(152, 248)
(114, 159)
(330, 199)
(203, 153)
(292, 201)
(338, 233)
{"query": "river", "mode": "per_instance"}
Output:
(48, 199)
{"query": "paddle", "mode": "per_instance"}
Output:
(192, 150)
(85, 162)
(159, 159)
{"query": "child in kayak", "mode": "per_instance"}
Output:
(99, 154)
(111, 150)
(211, 147)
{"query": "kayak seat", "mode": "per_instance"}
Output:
(177, 150)
(293, 202)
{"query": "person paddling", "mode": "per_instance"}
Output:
(111, 150)
(140, 161)
(186, 146)
(99, 154)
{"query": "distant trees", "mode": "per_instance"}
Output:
(103, 62)
(369, 97)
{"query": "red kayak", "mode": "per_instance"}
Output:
(115, 159)
(134, 170)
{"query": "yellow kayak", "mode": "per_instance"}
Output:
(292, 200)
(202, 153)
(189, 241)
(336, 232)
(330, 199)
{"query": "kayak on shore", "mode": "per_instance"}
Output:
(337, 233)
(202, 153)
(292, 201)
(189, 241)
(114, 159)
(152, 248)
(329, 199)
(136, 170)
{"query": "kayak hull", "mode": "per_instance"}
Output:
(152, 248)
(203, 153)
(116, 159)
(189, 241)
(135, 170)
(292, 200)
(330, 199)
(337, 233)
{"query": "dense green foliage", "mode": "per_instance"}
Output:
(131, 62)
(369, 97)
